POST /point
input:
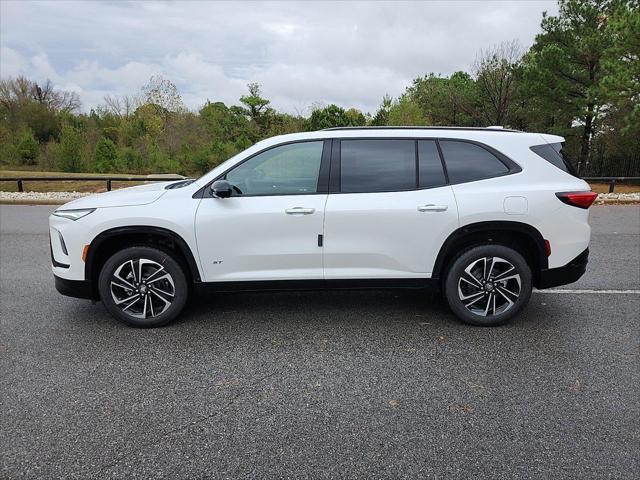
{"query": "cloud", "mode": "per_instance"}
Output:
(350, 53)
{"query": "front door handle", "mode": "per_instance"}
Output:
(432, 208)
(299, 211)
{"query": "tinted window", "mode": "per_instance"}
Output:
(430, 169)
(377, 165)
(286, 170)
(467, 162)
(552, 153)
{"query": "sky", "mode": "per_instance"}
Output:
(302, 53)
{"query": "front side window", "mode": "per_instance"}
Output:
(291, 169)
(468, 162)
(377, 165)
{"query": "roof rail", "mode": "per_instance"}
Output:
(482, 129)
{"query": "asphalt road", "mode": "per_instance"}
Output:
(375, 384)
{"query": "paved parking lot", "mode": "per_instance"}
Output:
(375, 384)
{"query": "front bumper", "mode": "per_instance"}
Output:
(569, 273)
(74, 288)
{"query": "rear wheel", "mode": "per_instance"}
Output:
(488, 285)
(143, 286)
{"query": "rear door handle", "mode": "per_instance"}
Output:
(432, 208)
(299, 211)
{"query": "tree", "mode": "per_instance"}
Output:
(381, 118)
(121, 105)
(495, 76)
(24, 105)
(256, 105)
(225, 124)
(162, 92)
(27, 147)
(406, 112)
(69, 155)
(564, 68)
(328, 117)
(621, 65)
(445, 101)
(57, 100)
(356, 117)
(106, 156)
(15, 93)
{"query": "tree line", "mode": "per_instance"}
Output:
(580, 79)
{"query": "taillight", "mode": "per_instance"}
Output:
(578, 199)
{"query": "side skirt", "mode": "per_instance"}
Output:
(312, 285)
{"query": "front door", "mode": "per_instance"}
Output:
(393, 212)
(268, 229)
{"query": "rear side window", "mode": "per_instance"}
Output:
(467, 162)
(377, 165)
(431, 173)
(552, 153)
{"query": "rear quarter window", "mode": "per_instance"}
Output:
(468, 162)
(552, 153)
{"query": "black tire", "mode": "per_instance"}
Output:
(488, 265)
(166, 289)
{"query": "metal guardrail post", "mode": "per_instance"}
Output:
(109, 185)
(612, 185)
(20, 186)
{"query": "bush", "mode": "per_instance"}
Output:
(27, 147)
(70, 151)
(106, 156)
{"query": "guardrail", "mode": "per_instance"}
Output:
(612, 181)
(109, 180)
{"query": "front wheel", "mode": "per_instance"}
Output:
(143, 286)
(488, 285)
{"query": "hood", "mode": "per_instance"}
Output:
(125, 197)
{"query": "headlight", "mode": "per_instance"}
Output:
(74, 214)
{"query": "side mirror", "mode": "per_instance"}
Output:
(221, 189)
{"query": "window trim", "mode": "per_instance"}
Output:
(329, 181)
(322, 187)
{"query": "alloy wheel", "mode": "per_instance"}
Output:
(489, 286)
(142, 288)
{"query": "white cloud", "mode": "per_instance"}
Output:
(350, 53)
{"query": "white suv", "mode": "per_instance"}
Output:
(482, 214)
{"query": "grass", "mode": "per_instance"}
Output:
(62, 185)
(620, 188)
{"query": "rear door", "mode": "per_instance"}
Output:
(390, 209)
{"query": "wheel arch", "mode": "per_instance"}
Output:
(110, 241)
(524, 238)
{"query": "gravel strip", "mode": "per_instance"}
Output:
(63, 197)
(52, 198)
(618, 198)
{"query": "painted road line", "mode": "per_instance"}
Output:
(609, 292)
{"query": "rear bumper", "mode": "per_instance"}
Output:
(74, 288)
(569, 273)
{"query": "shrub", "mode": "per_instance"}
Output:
(106, 156)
